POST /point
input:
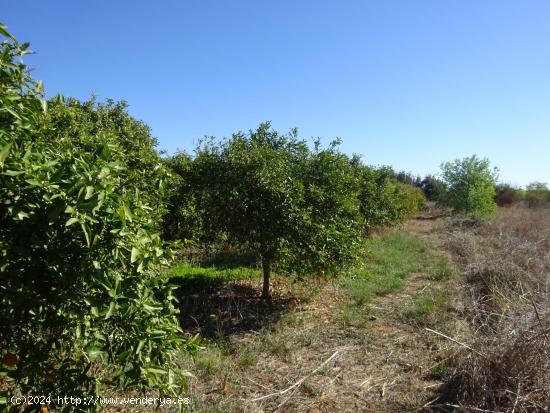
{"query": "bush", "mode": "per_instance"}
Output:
(183, 218)
(506, 195)
(433, 188)
(470, 186)
(537, 194)
(82, 302)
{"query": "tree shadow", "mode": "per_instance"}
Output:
(221, 307)
(430, 217)
(219, 258)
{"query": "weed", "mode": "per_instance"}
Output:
(209, 361)
(427, 309)
(247, 359)
(443, 269)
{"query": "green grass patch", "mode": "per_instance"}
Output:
(443, 269)
(187, 270)
(391, 258)
(427, 309)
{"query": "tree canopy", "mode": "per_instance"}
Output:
(270, 192)
(470, 185)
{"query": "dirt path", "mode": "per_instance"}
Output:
(331, 355)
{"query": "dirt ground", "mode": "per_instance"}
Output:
(315, 351)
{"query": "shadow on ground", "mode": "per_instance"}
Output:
(220, 308)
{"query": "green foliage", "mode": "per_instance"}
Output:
(272, 194)
(470, 186)
(81, 301)
(327, 234)
(537, 194)
(384, 200)
(433, 188)
(408, 178)
(183, 217)
(86, 125)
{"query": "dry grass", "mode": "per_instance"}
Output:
(329, 351)
(507, 266)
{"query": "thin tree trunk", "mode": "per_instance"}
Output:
(266, 269)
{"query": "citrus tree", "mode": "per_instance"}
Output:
(270, 193)
(384, 200)
(82, 302)
(85, 124)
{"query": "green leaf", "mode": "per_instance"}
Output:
(93, 352)
(135, 254)
(71, 221)
(4, 152)
(4, 32)
(87, 233)
(127, 212)
(111, 310)
(13, 173)
(155, 370)
(89, 192)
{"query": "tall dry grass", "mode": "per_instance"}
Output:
(507, 266)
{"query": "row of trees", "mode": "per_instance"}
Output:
(85, 200)
(302, 209)
(534, 195)
(470, 185)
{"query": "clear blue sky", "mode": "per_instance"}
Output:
(404, 83)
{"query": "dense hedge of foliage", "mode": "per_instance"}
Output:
(84, 125)
(384, 200)
(81, 301)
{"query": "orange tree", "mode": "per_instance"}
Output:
(270, 193)
(384, 200)
(81, 298)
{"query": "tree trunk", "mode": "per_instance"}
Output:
(266, 269)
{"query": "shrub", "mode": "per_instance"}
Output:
(506, 195)
(81, 300)
(433, 188)
(183, 218)
(470, 186)
(537, 194)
